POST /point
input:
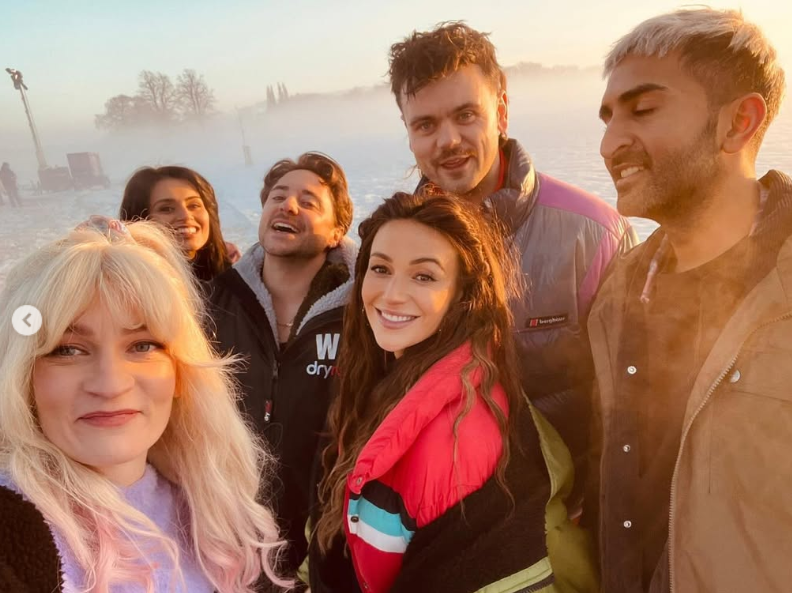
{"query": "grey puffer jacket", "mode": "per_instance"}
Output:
(566, 239)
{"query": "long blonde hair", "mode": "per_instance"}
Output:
(206, 449)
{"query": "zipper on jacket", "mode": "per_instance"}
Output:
(310, 327)
(269, 404)
(711, 390)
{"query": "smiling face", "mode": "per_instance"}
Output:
(103, 396)
(660, 142)
(177, 204)
(410, 283)
(297, 218)
(454, 125)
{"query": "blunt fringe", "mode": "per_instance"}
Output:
(206, 450)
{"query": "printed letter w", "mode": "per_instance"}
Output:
(327, 346)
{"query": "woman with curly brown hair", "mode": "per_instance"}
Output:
(440, 476)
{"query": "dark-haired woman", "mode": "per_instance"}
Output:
(440, 475)
(184, 201)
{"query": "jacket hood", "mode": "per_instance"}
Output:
(249, 268)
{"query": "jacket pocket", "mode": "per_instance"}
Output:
(752, 430)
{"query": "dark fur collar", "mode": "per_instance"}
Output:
(29, 559)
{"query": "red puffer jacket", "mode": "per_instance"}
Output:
(413, 469)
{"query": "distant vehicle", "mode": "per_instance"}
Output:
(86, 170)
(55, 179)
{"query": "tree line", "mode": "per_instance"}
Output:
(159, 101)
(282, 96)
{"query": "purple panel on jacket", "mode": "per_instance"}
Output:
(554, 193)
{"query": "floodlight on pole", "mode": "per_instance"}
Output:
(19, 84)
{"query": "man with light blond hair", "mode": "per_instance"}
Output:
(692, 332)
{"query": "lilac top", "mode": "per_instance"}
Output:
(157, 498)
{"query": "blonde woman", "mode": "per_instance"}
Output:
(124, 464)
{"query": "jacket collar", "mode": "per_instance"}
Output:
(773, 216)
(249, 268)
(440, 386)
(513, 202)
(769, 299)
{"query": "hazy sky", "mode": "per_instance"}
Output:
(75, 54)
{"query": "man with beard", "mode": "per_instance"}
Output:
(692, 332)
(281, 308)
(451, 92)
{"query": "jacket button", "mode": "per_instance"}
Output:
(354, 518)
(632, 370)
(627, 524)
(359, 481)
(736, 376)
(626, 448)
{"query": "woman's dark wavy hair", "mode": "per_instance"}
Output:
(212, 258)
(371, 386)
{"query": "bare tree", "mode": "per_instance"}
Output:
(123, 111)
(158, 92)
(194, 95)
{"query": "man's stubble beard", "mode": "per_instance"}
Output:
(302, 252)
(478, 192)
(685, 189)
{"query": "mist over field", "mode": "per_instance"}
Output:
(553, 114)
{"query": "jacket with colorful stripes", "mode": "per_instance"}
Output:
(407, 526)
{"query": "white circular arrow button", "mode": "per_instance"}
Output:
(26, 320)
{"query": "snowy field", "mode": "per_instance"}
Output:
(556, 121)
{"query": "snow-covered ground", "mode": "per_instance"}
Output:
(555, 120)
(45, 218)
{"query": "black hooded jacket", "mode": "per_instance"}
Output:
(285, 390)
